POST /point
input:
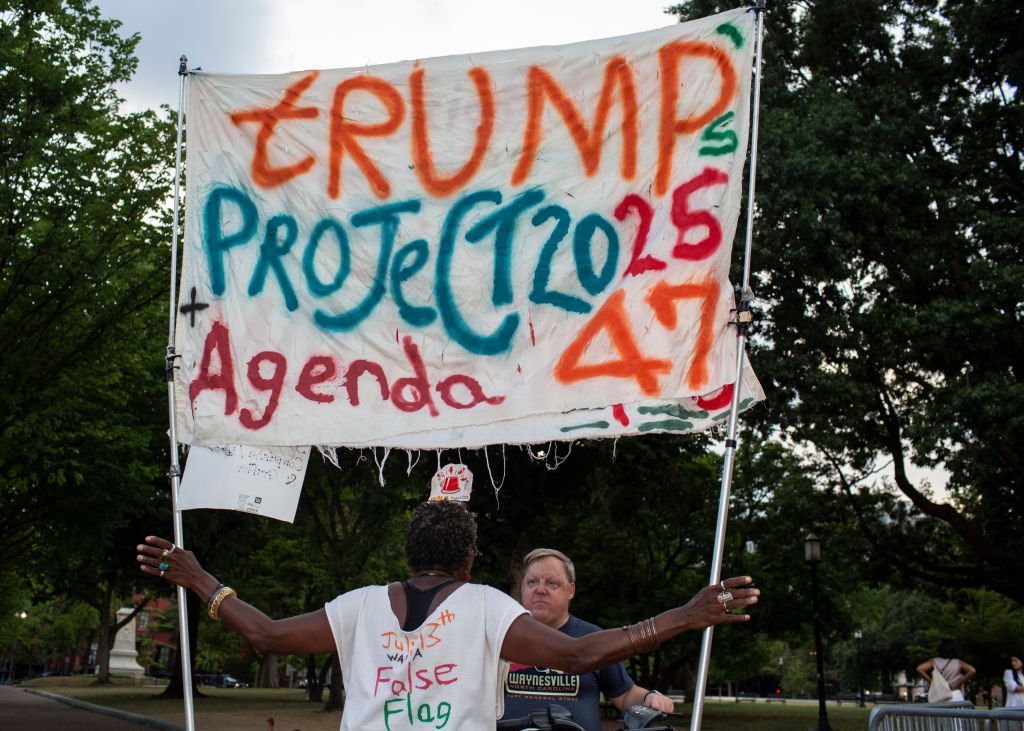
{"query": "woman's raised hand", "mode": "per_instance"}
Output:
(717, 604)
(160, 557)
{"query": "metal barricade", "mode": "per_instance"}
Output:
(954, 716)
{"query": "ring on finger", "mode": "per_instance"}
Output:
(724, 597)
(164, 567)
(162, 572)
(165, 553)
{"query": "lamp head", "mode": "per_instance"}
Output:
(812, 549)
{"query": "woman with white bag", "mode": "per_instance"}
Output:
(946, 674)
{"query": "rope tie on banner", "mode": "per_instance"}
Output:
(490, 473)
(410, 463)
(381, 461)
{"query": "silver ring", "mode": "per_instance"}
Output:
(724, 597)
(165, 553)
(722, 584)
(162, 573)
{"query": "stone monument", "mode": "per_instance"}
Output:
(123, 655)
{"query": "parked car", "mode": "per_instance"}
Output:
(218, 680)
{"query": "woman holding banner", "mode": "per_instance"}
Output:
(432, 651)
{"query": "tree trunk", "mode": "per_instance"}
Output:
(268, 676)
(334, 702)
(83, 661)
(176, 687)
(314, 683)
(104, 644)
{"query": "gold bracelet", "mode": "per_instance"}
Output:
(219, 597)
(648, 632)
(652, 630)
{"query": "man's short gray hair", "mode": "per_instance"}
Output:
(539, 553)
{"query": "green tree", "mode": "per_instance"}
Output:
(83, 268)
(888, 258)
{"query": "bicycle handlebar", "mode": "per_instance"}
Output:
(552, 718)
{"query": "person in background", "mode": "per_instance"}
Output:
(1013, 679)
(954, 670)
(548, 585)
(431, 651)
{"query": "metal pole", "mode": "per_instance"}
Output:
(743, 308)
(859, 636)
(184, 651)
(822, 713)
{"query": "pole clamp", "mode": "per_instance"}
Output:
(169, 363)
(744, 317)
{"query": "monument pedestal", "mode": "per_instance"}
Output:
(123, 655)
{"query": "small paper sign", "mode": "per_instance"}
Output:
(452, 482)
(263, 481)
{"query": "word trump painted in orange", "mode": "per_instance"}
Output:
(368, 109)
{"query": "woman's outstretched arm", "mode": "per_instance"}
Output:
(300, 635)
(532, 643)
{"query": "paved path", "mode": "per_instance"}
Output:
(21, 709)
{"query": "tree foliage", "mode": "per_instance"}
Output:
(889, 201)
(888, 260)
(83, 266)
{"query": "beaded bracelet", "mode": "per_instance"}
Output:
(224, 593)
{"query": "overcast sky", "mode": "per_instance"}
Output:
(276, 36)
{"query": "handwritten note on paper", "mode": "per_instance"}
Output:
(263, 481)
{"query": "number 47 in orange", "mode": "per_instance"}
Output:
(631, 361)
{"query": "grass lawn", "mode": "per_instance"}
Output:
(247, 709)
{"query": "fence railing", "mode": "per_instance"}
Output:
(954, 716)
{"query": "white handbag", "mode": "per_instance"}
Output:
(939, 690)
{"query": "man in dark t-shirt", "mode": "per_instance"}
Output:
(549, 584)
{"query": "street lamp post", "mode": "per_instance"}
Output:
(812, 554)
(859, 636)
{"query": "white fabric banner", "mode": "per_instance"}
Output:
(513, 246)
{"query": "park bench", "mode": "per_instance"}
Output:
(955, 716)
(780, 698)
(676, 695)
(849, 697)
(752, 697)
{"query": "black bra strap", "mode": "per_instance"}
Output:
(418, 601)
